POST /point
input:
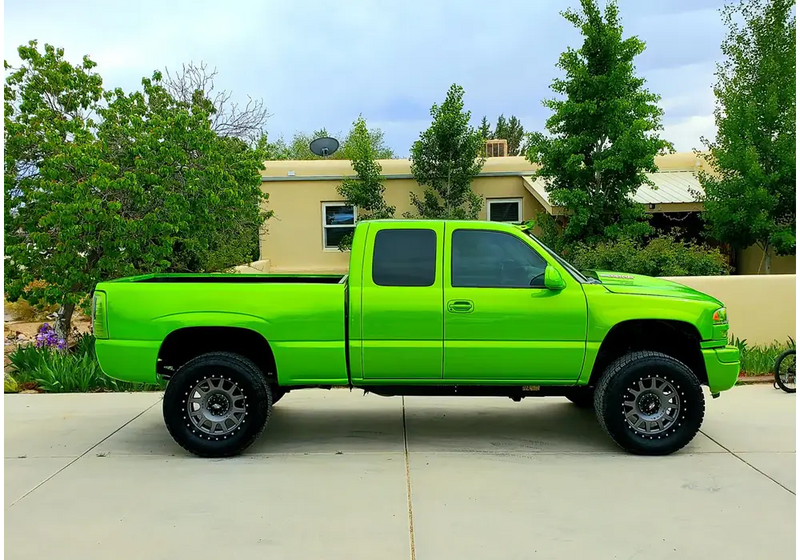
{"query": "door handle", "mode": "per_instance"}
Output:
(460, 306)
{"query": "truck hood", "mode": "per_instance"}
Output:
(639, 284)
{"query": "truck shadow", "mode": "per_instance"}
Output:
(486, 425)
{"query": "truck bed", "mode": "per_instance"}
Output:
(302, 317)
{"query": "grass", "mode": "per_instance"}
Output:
(760, 359)
(72, 371)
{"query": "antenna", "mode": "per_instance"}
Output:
(324, 146)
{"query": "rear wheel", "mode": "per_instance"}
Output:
(649, 403)
(217, 404)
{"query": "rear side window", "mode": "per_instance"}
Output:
(404, 257)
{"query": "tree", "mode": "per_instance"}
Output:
(101, 184)
(298, 147)
(603, 132)
(512, 132)
(485, 129)
(750, 191)
(366, 190)
(228, 119)
(445, 159)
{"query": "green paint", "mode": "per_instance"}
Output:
(548, 333)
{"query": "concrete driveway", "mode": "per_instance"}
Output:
(341, 475)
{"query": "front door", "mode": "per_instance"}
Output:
(401, 306)
(501, 322)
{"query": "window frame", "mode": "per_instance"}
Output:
(326, 226)
(490, 201)
(486, 230)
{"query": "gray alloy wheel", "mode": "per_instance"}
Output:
(651, 405)
(216, 406)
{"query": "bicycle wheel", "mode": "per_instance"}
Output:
(785, 371)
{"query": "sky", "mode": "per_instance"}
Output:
(320, 65)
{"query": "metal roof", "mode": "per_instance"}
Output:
(670, 187)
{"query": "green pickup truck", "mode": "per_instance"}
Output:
(429, 307)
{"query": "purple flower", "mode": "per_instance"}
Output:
(47, 338)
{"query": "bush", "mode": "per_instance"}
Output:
(661, 256)
(760, 359)
(52, 369)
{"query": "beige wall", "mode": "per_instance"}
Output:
(761, 309)
(751, 262)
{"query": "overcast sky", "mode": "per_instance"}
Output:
(319, 64)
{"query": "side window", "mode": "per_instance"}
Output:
(404, 257)
(494, 259)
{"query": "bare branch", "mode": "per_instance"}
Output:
(228, 119)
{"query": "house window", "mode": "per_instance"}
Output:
(338, 220)
(504, 210)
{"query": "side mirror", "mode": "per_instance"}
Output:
(553, 279)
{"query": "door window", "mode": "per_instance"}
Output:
(494, 259)
(404, 257)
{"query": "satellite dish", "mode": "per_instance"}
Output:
(324, 147)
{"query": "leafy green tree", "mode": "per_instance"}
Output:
(603, 132)
(298, 148)
(445, 159)
(512, 132)
(365, 190)
(750, 193)
(101, 184)
(485, 129)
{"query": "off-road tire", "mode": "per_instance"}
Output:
(582, 397)
(257, 404)
(625, 373)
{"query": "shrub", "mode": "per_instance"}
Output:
(760, 359)
(661, 256)
(51, 368)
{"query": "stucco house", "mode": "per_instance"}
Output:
(310, 217)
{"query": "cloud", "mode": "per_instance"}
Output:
(320, 66)
(685, 134)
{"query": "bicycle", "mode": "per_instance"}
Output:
(785, 371)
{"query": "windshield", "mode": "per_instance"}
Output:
(571, 269)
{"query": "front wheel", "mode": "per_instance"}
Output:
(785, 372)
(217, 404)
(649, 403)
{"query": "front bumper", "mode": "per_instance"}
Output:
(722, 367)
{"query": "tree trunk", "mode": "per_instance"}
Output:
(767, 261)
(64, 320)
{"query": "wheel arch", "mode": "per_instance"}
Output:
(186, 343)
(675, 338)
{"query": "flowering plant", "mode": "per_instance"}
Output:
(47, 338)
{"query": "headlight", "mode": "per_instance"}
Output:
(720, 315)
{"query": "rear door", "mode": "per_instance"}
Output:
(402, 306)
